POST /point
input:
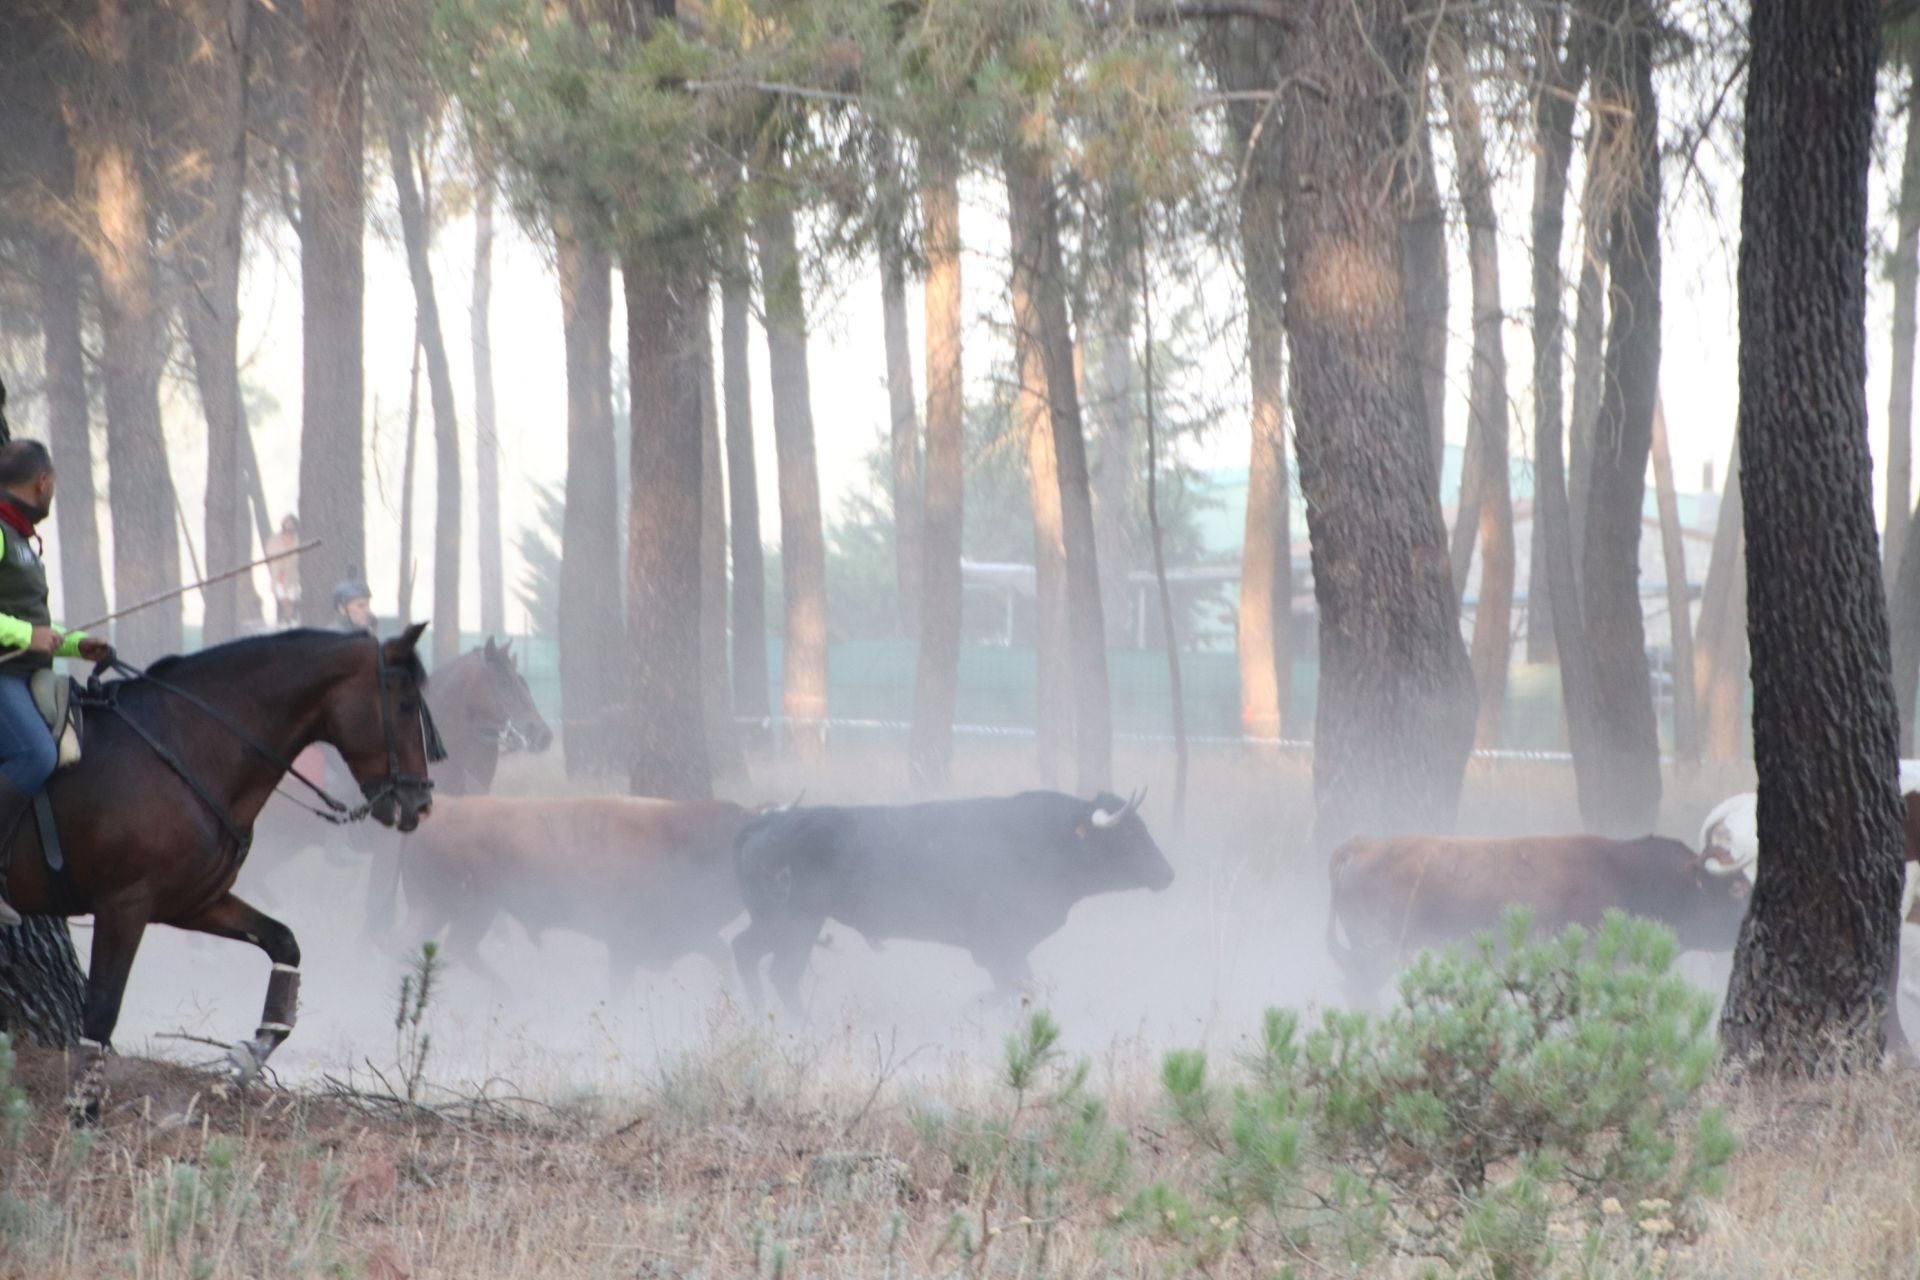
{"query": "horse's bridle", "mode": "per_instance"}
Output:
(394, 785)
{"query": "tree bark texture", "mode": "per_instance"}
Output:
(1264, 636)
(333, 290)
(1245, 60)
(1904, 618)
(1053, 661)
(1720, 657)
(1487, 438)
(1686, 718)
(210, 199)
(1813, 972)
(904, 437)
(1395, 715)
(1034, 222)
(69, 433)
(750, 698)
(716, 687)
(486, 436)
(1625, 798)
(140, 496)
(593, 672)
(666, 731)
(1425, 260)
(42, 990)
(1109, 407)
(803, 555)
(1589, 353)
(1904, 268)
(417, 233)
(936, 677)
(409, 458)
(1553, 111)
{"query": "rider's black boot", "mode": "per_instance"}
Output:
(14, 806)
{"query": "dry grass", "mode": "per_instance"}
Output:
(749, 1151)
(750, 1159)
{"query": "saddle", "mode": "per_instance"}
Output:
(53, 694)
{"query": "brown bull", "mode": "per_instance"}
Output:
(1395, 897)
(653, 879)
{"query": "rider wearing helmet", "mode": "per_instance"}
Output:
(29, 641)
(353, 603)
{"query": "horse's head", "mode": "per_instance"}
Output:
(521, 726)
(380, 725)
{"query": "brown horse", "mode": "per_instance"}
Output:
(157, 818)
(483, 703)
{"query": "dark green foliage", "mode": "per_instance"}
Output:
(1519, 1095)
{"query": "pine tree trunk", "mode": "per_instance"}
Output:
(1487, 454)
(210, 201)
(904, 439)
(140, 497)
(1813, 974)
(1425, 238)
(1245, 58)
(408, 461)
(415, 231)
(1395, 715)
(1053, 659)
(666, 729)
(333, 289)
(1904, 618)
(1553, 111)
(716, 688)
(42, 990)
(1720, 659)
(1625, 799)
(69, 434)
(1589, 352)
(1904, 268)
(936, 677)
(486, 438)
(593, 671)
(803, 555)
(1110, 409)
(750, 698)
(1264, 635)
(1686, 718)
(1035, 225)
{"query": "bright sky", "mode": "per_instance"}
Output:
(849, 394)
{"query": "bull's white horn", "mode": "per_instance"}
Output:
(1721, 866)
(1102, 819)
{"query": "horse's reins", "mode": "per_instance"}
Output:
(106, 696)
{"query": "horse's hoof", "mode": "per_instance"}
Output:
(244, 1061)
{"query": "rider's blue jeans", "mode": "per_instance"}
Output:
(27, 753)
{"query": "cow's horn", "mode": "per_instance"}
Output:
(1103, 820)
(795, 802)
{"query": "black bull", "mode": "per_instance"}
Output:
(994, 876)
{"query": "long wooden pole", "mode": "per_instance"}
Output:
(176, 592)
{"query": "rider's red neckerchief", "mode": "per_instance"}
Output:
(12, 517)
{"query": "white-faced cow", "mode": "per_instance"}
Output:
(1398, 896)
(653, 879)
(994, 876)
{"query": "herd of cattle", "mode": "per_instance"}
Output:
(656, 880)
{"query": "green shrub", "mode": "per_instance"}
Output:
(1512, 1101)
(1045, 1153)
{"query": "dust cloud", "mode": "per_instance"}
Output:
(1130, 974)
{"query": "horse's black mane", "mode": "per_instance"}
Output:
(261, 646)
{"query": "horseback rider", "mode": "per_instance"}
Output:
(29, 641)
(353, 603)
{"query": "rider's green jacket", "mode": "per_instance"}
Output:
(23, 606)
